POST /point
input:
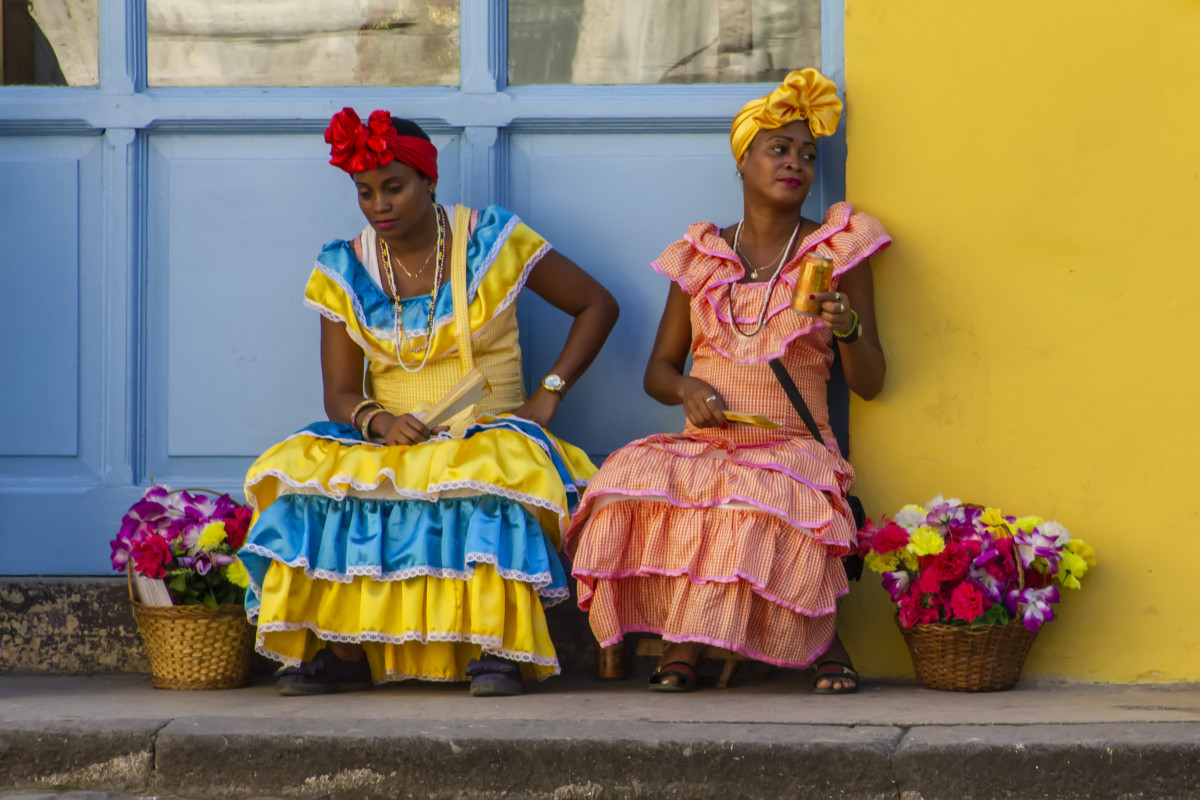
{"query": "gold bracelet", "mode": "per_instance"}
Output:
(360, 407)
(365, 430)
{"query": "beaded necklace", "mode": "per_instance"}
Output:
(396, 304)
(762, 314)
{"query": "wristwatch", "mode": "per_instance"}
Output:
(554, 383)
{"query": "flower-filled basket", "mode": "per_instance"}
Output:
(971, 587)
(178, 550)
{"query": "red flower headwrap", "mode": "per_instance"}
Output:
(356, 147)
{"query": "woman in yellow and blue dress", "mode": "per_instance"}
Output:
(383, 550)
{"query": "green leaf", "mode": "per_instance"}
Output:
(210, 602)
(996, 615)
(179, 583)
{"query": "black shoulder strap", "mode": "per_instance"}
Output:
(793, 393)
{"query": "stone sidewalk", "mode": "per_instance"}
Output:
(579, 739)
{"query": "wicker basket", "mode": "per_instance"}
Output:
(193, 648)
(978, 658)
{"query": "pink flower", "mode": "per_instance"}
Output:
(151, 554)
(966, 603)
(889, 538)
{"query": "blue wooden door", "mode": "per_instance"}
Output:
(161, 207)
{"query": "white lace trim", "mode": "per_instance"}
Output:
(429, 495)
(488, 644)
(538, 580)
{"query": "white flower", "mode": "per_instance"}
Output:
(911, 517)
(1057, 532)
(938, 500)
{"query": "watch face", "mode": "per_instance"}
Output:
(553, 382)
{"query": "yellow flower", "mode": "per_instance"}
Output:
(236, 574)
(926, 541)
(1070, 570)
(882, 562)
(994, 519)
(212, 536)
(1026, 524)
(909, 560)
(1080, 549)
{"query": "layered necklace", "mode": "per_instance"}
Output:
(762, 314)
(398, 328)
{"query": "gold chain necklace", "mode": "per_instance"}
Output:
(737, 249)
(404, 269)
(398, 328)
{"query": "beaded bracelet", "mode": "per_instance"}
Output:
(360, 407)
(365, 428)
(852, 334)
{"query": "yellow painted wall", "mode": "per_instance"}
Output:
(1038, 166)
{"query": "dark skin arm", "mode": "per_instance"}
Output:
(561, 283)
(862, 360)
(555, 278)
(665, 381)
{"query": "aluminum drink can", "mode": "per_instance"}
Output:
(816, 276)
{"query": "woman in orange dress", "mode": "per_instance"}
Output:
(729, 534)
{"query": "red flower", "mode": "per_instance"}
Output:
(918, 609)
(954, 560)
(236, 526)
(929, 576)
(889, 538)
(151, 554)
(967, 602)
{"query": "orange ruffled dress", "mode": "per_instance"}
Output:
(733, 536)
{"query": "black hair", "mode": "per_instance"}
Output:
(406, 127)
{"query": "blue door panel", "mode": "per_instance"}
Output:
(47, 192)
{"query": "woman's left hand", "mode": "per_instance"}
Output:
(540, 407)
(836, 311)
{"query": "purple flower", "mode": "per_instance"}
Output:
(1036, 544)
(121, 546)
(896, 584)
(1037, 604)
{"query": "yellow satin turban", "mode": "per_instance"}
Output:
(804, 94)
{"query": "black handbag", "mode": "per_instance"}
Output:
(853, 563)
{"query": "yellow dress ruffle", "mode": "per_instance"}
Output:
(423, 627)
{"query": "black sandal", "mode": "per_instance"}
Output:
(676, 669)
(492, 676)
(835, 670)
(325, 674)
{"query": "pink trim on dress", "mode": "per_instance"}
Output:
(737, 648)
(759, 588)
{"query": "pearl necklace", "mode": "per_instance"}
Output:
(398, 327)
(762, 314)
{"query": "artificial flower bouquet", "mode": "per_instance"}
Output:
(971, 587)
(187, 538)
(952, 563)
(179, 549)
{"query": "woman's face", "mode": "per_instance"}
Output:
(393, 198)
(780, 163)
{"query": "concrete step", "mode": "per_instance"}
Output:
(573, 739)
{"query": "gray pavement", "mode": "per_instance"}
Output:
(81, 738)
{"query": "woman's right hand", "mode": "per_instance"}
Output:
(403, 429)
(702, 404)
